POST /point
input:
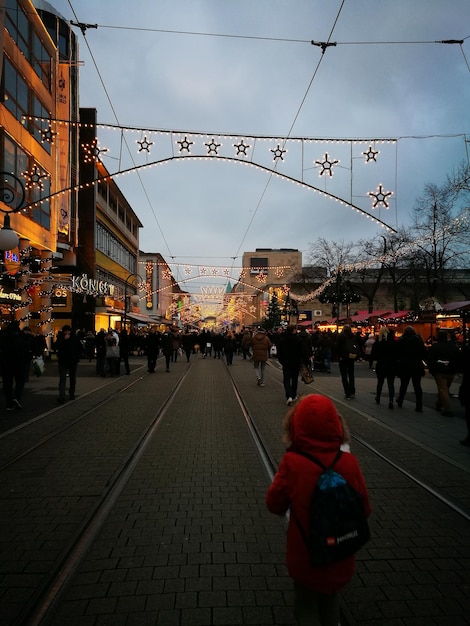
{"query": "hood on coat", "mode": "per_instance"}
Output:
(315, 423)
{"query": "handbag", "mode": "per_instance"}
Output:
(306, 374)
(38, 365)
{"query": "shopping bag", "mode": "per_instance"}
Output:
(38, 365)
(306, 374)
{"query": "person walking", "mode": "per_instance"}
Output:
(151, 348)
(348, 351)
(368, 345)
(112, 352)
(292, 354)
(230, 346)
(313, 426)
(443, 362)
(246, 343)
(14, 347)
(100, 346)
(68, 349)
(188, 342)
(124, 351)
(464, 390)
(384, 353)
(166, 344)
(261, 345)
(411, 353)
(176, 339)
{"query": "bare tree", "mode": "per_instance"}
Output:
(441, 229)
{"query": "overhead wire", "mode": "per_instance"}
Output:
(291, 127)
(118, 122)
(323, 45)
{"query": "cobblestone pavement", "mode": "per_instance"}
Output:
(188, 540)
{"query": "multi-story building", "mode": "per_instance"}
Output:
(36, 158)
(265, 271)
(163, 296)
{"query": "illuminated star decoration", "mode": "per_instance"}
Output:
(185, 144)
(380, 197)
(370, 154)
(34, 178)
(145, 144)
(278, 152)
(47, 135)
(212, 147)
(92, 151)
(187, 271)
(241, 148)
(326, 165)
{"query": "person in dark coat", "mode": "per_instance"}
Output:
(14, 347)
(230, 347)
(292, 354)
(384, 353)
(166, 343)
(443, 361)
(411, 353)
(152, 344)
(100, 345)
(464, 391)
(68, 349)
(124, 351)
(188, 343)
(313, 426)
(348, 350)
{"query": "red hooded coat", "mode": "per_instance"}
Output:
(315, 428)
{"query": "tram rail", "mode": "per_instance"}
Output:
(264, 431)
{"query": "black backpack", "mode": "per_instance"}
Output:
(338, 525)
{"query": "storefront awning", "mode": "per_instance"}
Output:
(452, 307)
(143, 319)
(399, 315)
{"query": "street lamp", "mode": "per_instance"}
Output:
(12, 194)
(136, 281)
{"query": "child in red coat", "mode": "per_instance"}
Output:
(314, 426)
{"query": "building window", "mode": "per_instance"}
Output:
(109, 245)
(13, 159)
(27, 40)
(22, 102)
(258, 266)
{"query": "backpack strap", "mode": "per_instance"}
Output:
(312, 458)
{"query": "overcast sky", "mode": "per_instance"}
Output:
(247, 68)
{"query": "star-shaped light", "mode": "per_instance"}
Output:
(92, 151)
(34, 178)
(145, 144)
(371, 154)
(380, 197)
(166, 273)
(278, 152)
(326, 165)
(241, 148)
(185, 144)
(47, 135)
(187, 271)
(261, 278)
(212, 147)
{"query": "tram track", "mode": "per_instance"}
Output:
(266, 439)
(48, 593)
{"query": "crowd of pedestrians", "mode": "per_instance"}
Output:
(396, 362)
